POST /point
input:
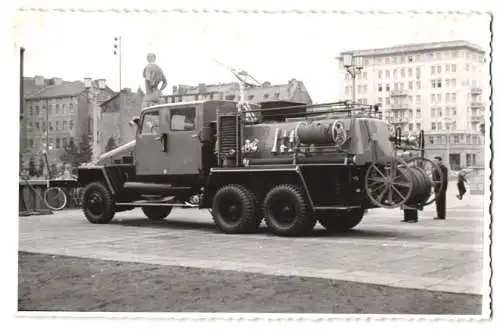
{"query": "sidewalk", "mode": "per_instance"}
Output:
(468, 200)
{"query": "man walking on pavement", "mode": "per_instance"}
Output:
(461, 183)
(441, 199)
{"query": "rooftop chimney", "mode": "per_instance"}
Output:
(87, 82)
(39, 81)
(101, 83)
(55, 81)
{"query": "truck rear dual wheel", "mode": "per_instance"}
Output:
(235, 210)
(286, 211)
(97, 203)
(338, 221)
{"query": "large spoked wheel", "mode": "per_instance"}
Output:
(55, 198)
(286, 211)
(156, 213)
(234, 210)
(338, 221)
(98, 204)
(433, 172)
(387, 183)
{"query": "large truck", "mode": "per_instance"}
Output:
(291, 165)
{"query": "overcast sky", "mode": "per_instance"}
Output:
(272, 47)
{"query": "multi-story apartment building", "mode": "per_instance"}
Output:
(294, 91)
(62, 110)
(438, 87)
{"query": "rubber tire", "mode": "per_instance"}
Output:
(249, 220)
(336, 221)
(302, 224)
(156, 212)
(109, 202)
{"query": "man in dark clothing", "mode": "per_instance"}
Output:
(461, 183)
(441, 199)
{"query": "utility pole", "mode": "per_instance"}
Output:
(118, 51)
(22, 116)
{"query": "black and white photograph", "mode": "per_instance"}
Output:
(298, 162)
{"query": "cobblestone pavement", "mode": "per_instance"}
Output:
(432, 254)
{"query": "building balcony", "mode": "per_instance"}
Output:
(476, 91)
(399, 92)
(398, 120)
(476, 118)
(476, 105)
(401, 106)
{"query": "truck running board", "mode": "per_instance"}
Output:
(319, 208)
(140, 204)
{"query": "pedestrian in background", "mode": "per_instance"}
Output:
(461, 182)
(442, 187)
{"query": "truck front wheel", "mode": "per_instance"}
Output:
(97, 203)
(156, 212)
(234, 210)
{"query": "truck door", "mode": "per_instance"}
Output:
(183, 144)
(150, 157)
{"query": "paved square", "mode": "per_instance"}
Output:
(437, 255)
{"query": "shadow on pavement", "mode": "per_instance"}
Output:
(211, 228)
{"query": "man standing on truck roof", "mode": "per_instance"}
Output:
(153, 76)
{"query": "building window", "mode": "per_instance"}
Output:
(387, 87)
(387, 100)
(439, 98)
(50, 126)
(379, 87)
(433, 70)
(64, 123)
(447, 68)
(418, 126)
(433, 112)
(395, 73)
(419, 112)
(433, 126)
(438, 68)
(365, 75)
(401, 86)
(438, 83)
(447, 82)
(419, 98)
(380, 74)
(266, 96)
(433, 98)
(431, 139)
(410, 59)
(453, 97)
(455, 139)
(402, 72)
(454, 54)
(454, 111)
(453, 83)
(410, 127)
(433, 83)
(58, 142)
(57, 109)
(70, 124)
(387, 74)
(347, 89)
(447, 111)
(467, 139)
(417, 73)
(276, 95)
(410, 85)
(454, 68)
(230, 97)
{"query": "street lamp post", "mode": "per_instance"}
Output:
(447, 122)
(353, 65)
